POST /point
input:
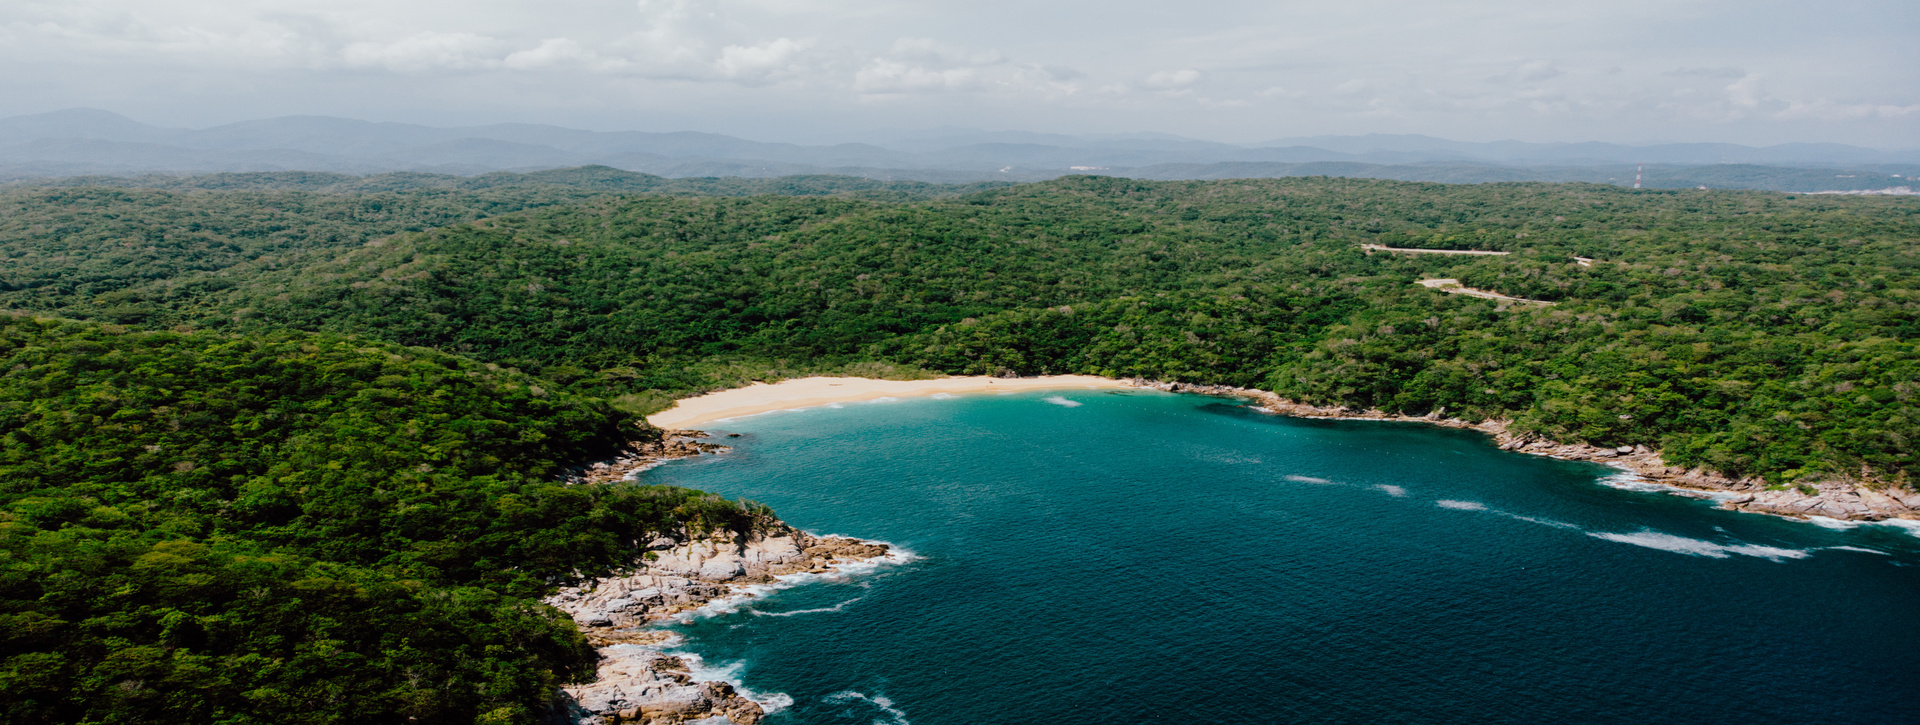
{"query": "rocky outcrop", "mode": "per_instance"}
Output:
(638, 682)
(644, 685)
(642, 455)
(1850, 500)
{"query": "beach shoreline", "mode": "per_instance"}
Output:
(817, 391)
(1840, 500)
(1837, 500)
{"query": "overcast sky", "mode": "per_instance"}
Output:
(1743, 71)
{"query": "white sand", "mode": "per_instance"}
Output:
(809, 392)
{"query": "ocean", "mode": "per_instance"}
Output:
(1136, 556)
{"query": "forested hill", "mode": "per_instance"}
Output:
(1751, 332)
(296, 461)
(296, 528)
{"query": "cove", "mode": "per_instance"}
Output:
(1128, 556)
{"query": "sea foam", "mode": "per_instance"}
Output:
(1697, 547)
(729, 673)
(881, 702)
(1305, 479)
(834, 608)
(1856, 548)
(1460, 505)
(1058, 400)
(742, 594)
(1391, 490)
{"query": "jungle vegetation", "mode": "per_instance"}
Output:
(1752, 333)
(297, 528)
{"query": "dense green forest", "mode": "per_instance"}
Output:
(432, 326)
(1751, 332)
(296, 528)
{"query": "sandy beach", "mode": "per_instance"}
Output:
(809, 392)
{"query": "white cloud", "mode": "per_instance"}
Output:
(933, 53)
(1173, 79)
(555, 53)
(1618, 70)
(426, 51)
(1528, 73)
(1827, 110)
(883, 76)
(761, 63)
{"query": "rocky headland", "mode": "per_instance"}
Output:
(641, 455)
(638, 681)
(1862, 499)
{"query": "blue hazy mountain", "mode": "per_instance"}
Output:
(91, 141)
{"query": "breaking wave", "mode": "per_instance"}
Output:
(729, 673)
(834, 608)
(894, 715)
(1460, 505)
(1059, 400)
(742, 595)
(1698, 547)
(1305, 479)
(1856, 548)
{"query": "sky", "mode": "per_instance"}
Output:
(1755, 72)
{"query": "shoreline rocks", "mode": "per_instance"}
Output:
(638, 682)
(640, 456)
(1843, 500)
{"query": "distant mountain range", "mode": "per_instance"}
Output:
(88, 141)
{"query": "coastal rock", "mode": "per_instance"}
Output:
(638, 682)
(641, 685)
(642, 455)
(1864, 499)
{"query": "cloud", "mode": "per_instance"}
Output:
(557, 53)
(426, 51)
(761, 63)
(1827, 110)
(1705, 73)
(1530, 72)
(1168, 80)
(1623, 70)
(923, 65)
(933, 53)
(883, 76)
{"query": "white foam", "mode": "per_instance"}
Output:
(742, 594)
(1769, 552)
(885, 399)
(729, 673)
(1058, 400)
(1460, 505)
(1391, 490)
(1542, 522)
(1627, 480)
(943, 396)
(1305, 479)
(1832, 523)
(834, 608)
(835, 406)
(846, 696)
(1856, 548)
(1697, 547)
(1912, 526)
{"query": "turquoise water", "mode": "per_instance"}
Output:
(1105, 557)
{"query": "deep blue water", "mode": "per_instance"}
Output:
(1144, 557)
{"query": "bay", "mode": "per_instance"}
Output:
(1123, 556)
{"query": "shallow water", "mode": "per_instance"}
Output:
(1122, 556)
